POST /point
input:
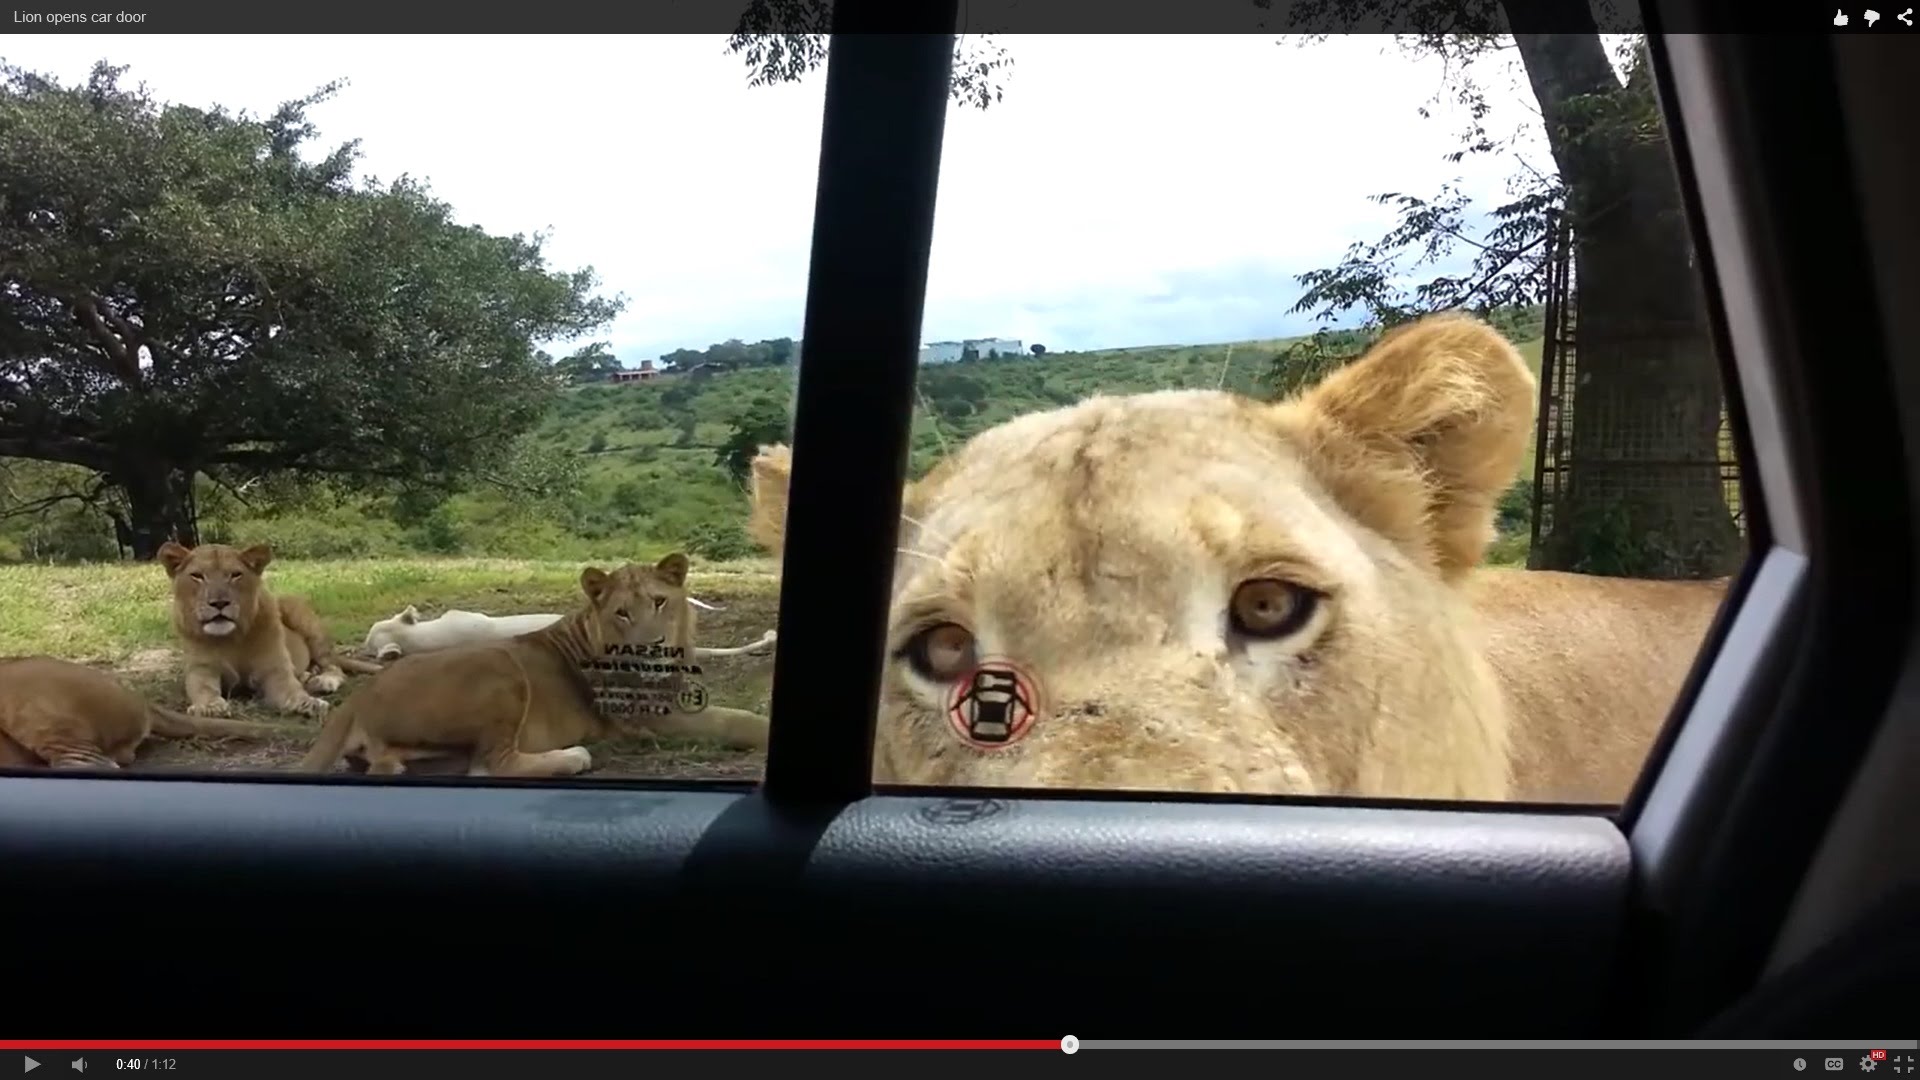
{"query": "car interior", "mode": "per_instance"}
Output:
(1759, 882)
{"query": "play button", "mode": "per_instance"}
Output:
(31, 1064)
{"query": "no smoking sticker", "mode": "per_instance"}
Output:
(994, 705)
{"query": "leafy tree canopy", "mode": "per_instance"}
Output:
(182, 293)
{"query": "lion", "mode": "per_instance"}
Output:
(522, 707)
(237, 634)
(63, 715)
(408, 632)
(1206, 592)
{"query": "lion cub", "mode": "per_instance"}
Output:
(237, 634)
(523, 706)
(68, 716)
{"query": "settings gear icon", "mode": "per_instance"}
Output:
(1867, 1064)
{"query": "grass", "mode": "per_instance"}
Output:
(115, 616)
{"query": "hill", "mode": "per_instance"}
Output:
(653, 462)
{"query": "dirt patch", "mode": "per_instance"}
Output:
(637, 758)
(147, 662)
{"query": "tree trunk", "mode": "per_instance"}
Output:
(1643, 495)
(159, 507)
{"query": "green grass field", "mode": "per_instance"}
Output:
(114, 616)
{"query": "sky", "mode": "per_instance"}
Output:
(1128, 190)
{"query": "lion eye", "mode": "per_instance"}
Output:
(197, 576)
(1269, 608)
(659, 602)
(621, 614)
(941, 653)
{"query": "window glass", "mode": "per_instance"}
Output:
(1272, 438)
(460, 349)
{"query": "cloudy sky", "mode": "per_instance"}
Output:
(1127, 191)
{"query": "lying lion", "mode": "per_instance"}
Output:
(407, 633)
(237, 634)
(1212, 593)
(68, 716)
(522, 707)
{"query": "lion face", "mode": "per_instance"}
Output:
(1210, 593)
(638, 605)
(383, 638)
(216, 588)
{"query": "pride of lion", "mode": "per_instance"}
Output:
(1207, 592)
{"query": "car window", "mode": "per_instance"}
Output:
(431, 356)
(1374, 448)
(1264, 443)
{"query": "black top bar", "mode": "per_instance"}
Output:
(886, 106)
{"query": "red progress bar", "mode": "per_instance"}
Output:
(536, 1044)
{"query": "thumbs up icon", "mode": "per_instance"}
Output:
(1839, 18)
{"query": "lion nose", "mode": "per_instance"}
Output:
(219, 605)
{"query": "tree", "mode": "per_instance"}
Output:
(590, 364)
(762, 422)
(728, 355)
(980, 65)
(182, 296)
(1644, 495)
(1650, 398)
(678, 396)
(952, 395)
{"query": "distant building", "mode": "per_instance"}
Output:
(941, 352)
(946, 352)
(991, 347)
(645, 372)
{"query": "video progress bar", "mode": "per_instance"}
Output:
(1501, 1044)
(1577, 1061)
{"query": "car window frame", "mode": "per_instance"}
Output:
(1691, 844)
(865, 299)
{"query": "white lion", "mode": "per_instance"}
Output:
(407, 633)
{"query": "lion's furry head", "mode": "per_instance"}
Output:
(638, 604)
(383, 642)
(216, 588)
(1213, 592)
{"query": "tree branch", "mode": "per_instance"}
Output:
(1460, 295)
(41, 506)
(239, 496)
(270, 461)
(123, 353)
(80, 452)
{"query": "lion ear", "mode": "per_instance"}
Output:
(410, 615)
(173, 556)
(1419, 437)
(594, 582)
(673, 569)
(256, 557)
(771, 472)
(767, 483)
